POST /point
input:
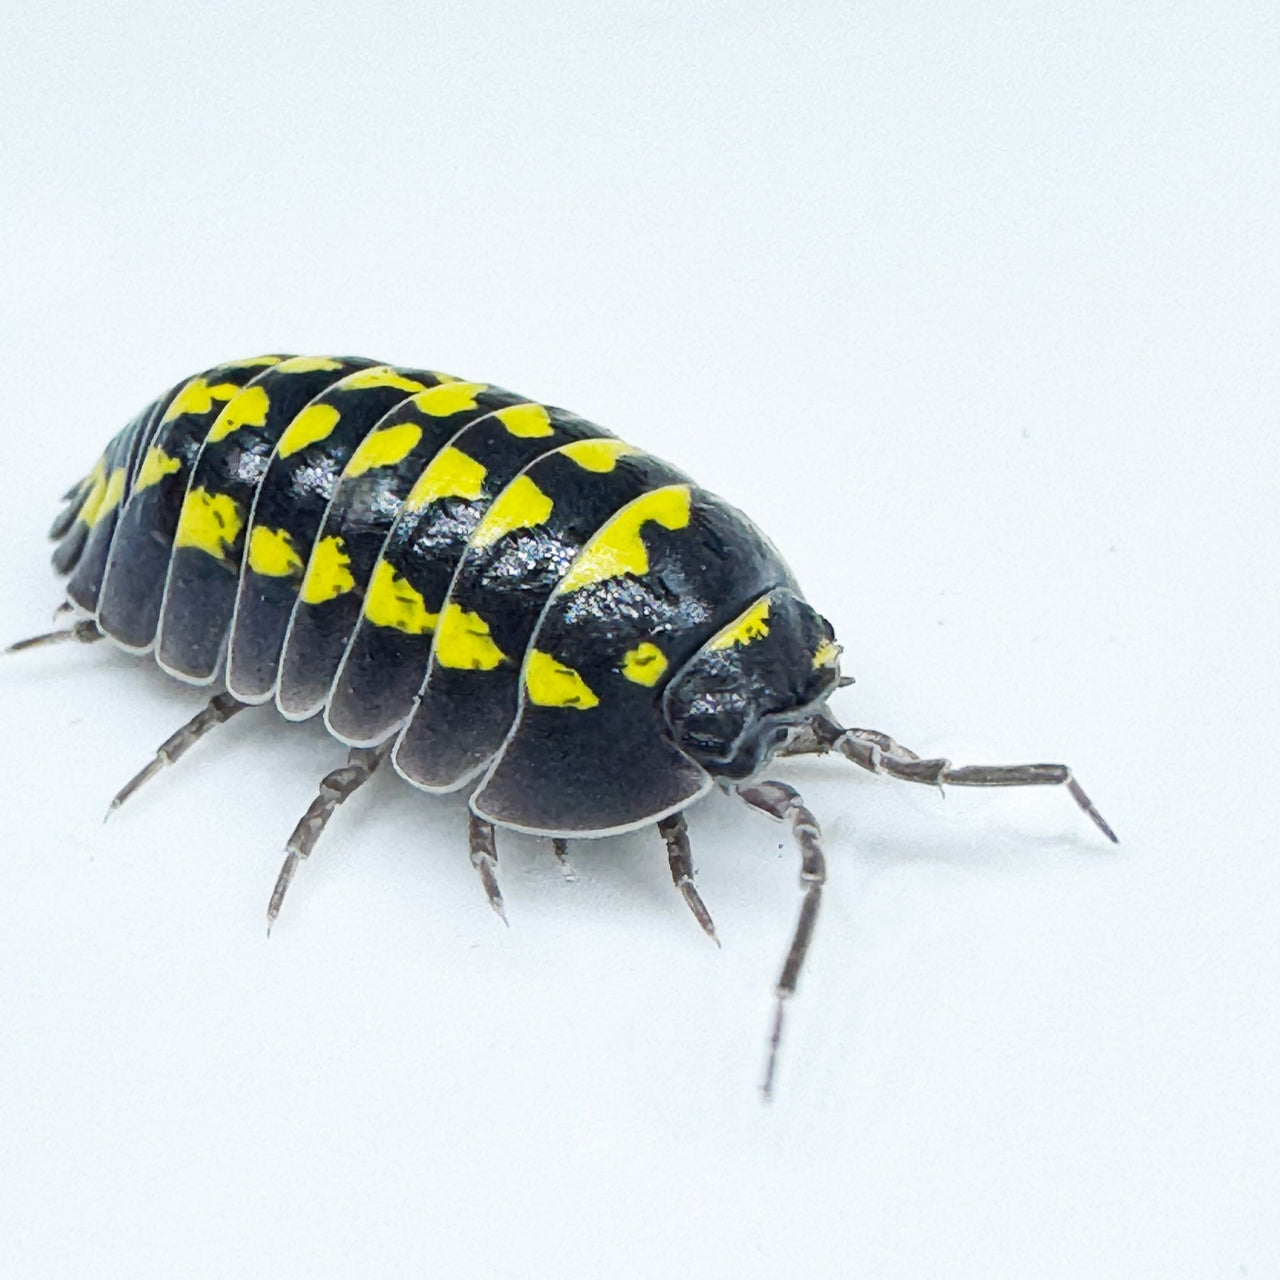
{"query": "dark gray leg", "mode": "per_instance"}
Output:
(878, 753)
(484, 857)
(782, 802)
(335, 787)
(219, 709)
(560, 847)
(85, 631)
(680, 857)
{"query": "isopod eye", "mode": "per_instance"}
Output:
(713, 733)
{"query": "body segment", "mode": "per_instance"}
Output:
(514, 561)
(205, 566)
(128, 605)
(289, 507)
(391, 645)
(374, 485)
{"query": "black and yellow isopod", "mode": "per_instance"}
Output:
(494, 594)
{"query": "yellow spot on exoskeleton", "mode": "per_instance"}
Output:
(308, 364)
(598, 455)
(250, 362)
(198, 396)
(105, 493)
(450, 397)
(528, 421)
(328, 573)
(392, 601)
(155, 466)
(209, 522)
(463, 641)
(644, 664)
(746, 627)
(384, 448)
(452, 474)
(96, 484)
(521, 505)
(549, 683)
(617, 547)
(272, 553)
(314, 423)
(827, 654)
(111, 496)
(247, 408)
(381, 375)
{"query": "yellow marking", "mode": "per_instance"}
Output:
(314, 423)
(247, 408)
(550, 683)
(110, 497)
(96, 481)
(209, 522)
(155, 466)
(745, 628)
(251, 362)
(528, 421)
(450, 397)
(384, 448)
(521, 505)
(381, 375)
(198, 396)
(308, 364)
(598, 455)
(448, 377)
(393, 602)
(827, 654)
(463, 641)
(644, 664)
(452, 474)
(328, 574)
(272, 553)
(104, 495)
(617, 547)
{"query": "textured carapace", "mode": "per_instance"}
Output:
(496, 586)
(496, 594)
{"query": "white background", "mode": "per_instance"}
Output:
(975, 309)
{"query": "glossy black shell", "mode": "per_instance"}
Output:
(504, 587)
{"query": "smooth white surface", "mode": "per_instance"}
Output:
(976, 312)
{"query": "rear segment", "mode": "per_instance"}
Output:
(85, 528)
(128, 605)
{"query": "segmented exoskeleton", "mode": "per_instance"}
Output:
(494, 593)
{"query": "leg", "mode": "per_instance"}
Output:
(85, 631)
(335, 787)
(560, 847)
(878, 753)
(219, 709)
(484, 857)
(674, 831)
(782, 802)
